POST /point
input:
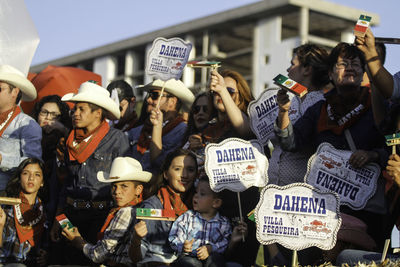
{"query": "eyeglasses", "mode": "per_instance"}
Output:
(156, 95)
(196, 109)
(45, 113)
(345, 64)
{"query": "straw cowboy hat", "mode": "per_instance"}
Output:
(174, 87)
(92, 93)
(16, 78)
(124, 169)
(354, 231)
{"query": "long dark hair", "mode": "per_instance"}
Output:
(191, 127)
(65, 119)
(157, 181)
(13, 187)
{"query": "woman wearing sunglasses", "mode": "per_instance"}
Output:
(231, 96)
(201, 113)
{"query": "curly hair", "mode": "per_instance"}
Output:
(65, 119)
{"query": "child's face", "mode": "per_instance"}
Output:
(31, 179)
(125, 192)
(204, 199)
(181, 173)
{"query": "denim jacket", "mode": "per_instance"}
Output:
(21, 139)
(82, 180)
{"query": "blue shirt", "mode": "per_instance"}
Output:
(190, 225)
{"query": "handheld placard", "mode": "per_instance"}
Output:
(155, 214)
(393, 140)
(63, 221)
(362, 25)
(166, 60)
(204, 64)
(290, 85)
(9, 201)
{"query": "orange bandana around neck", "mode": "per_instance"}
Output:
(81, 151)
(171, 200)
(29, 220)
(7, 117)
(112, 213)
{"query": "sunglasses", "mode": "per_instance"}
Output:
(156, 95)
(231, 91)
(196, 109)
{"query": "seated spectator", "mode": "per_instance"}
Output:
(126, 178)
(122, 93)
(347, 108)
(231, 96)
(22, 226)
(201, 113)
(201, 236)
(164, 127)
(174, 191)
(53, 116)
(20, 135)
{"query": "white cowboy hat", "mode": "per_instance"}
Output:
(16, 78)
(124, 169)
(174, 87)
(92, 93)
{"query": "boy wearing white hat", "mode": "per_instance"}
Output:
(91, 147)
(126, 178)
(20, 135)
(164, 127)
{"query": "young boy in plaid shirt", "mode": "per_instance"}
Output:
(200, 236)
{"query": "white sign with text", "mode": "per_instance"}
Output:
(167, 58)
(329, 169)
(297, 216)
(236, 164)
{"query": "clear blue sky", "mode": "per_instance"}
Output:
(68, 27)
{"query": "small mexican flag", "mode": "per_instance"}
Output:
(204, 64)
(155, 214)
(362, 25)
(290, 85)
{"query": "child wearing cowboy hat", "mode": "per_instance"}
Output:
(127, 178)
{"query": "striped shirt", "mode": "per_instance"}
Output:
(190, 225)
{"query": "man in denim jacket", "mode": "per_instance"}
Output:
(91, 147)
(20, 135)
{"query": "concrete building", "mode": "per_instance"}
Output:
(256, 40)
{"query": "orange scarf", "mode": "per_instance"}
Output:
(29, 222)
(171, 201)
(325, 123)
(112, 213)
(145, 135)
(4, 116)
(82, 150)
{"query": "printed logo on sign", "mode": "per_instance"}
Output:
(297, 216)
(329, 169)
(236, 165)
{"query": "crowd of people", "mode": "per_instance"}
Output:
(98, 162)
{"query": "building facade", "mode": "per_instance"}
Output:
(256, 40)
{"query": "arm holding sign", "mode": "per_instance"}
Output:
(393, 168)
(156, 118)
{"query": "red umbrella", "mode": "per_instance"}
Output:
(55, 80)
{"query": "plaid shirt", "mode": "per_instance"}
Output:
(115, 243)
(12, 250)
(190, 225)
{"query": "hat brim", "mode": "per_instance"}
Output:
(28, 90)
(139, 176)
(358, 238)
(174, 87)
(104, 102)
